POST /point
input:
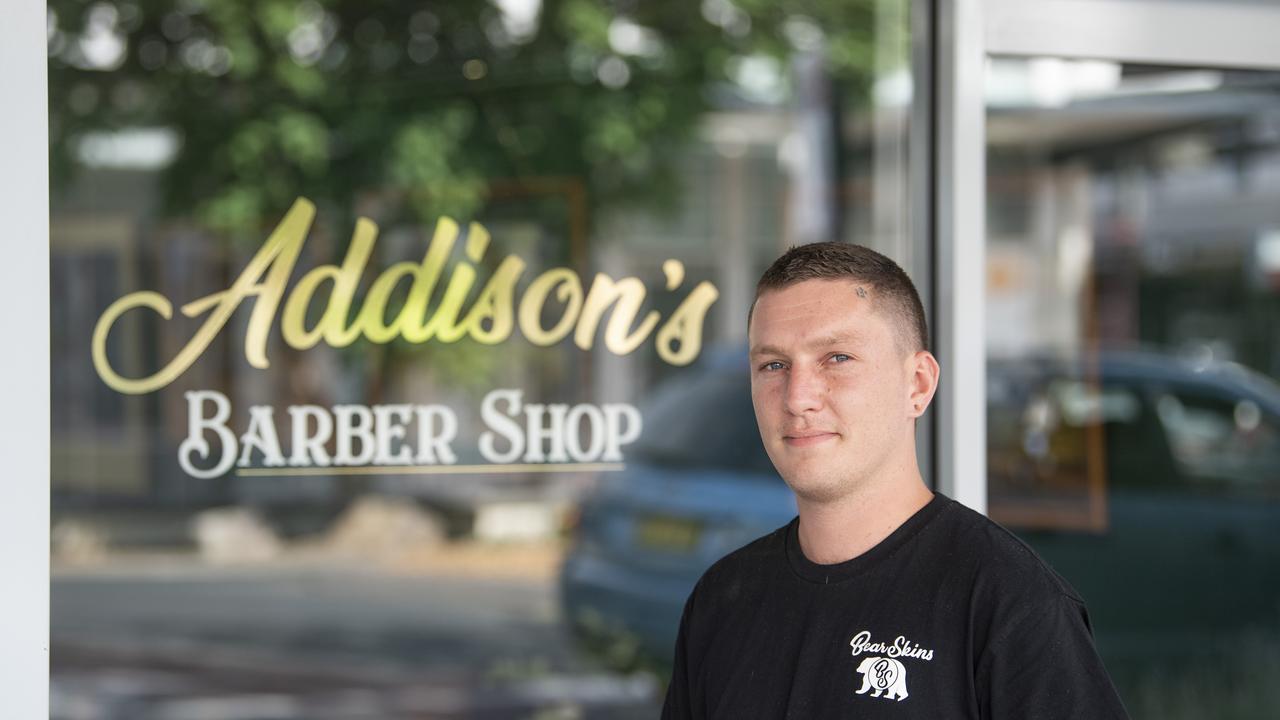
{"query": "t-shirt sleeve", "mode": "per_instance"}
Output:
(1042, 665)
(679, 703)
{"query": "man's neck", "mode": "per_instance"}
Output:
(833, 532)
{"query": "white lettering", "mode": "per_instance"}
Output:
(309, 449)
(382, 436)
(573, 432)
(355, 422)
(433, 447)
(197, 424)
(389, 427)
(614, 415)
(537, 434)
(261, 434)
(901, 647)
(501, 424)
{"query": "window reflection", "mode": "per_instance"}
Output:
(589, 138)
(1132, 363)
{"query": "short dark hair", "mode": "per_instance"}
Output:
(891, 289)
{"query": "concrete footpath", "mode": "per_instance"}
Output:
(444, 631)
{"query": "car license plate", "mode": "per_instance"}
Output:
(670, 534)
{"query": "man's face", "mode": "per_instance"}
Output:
(830, 385)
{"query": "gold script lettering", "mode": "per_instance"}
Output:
(490, 319)
(332, 326)
(628, 293)
(685, 326)
(535, 298)
(278, 253)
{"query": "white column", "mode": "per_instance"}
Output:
(961, 273)
(24, 426)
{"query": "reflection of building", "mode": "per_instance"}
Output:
(103, 439)
(1152, 201)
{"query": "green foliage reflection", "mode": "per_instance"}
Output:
(273, 99)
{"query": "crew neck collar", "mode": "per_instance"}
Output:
(837, 572)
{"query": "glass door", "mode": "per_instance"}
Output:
(1132, 344)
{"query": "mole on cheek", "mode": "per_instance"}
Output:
(861, 292)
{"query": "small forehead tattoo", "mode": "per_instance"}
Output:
(861, 293)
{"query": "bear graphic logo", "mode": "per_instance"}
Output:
(881, 674)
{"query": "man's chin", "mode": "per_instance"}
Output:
(815, 490)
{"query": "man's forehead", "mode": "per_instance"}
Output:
(835, 296)
(814, 296)
(813, 314)
(815, 341)
(816, 323)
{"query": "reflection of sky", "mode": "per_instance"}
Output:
(520, 17)
(100, 47)
(133, 148)
(1056, 82)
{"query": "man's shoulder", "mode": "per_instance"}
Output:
(1001, 561)
(731, 575)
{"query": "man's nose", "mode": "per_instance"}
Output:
(805, 391)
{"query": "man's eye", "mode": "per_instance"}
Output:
(772, 365)
(840, 357)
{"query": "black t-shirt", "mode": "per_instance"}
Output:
(951, 616)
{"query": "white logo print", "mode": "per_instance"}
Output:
(901, 647)
(883, 674)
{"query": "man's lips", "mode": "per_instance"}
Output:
(804, 439)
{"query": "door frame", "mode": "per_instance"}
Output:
(24, 425)
(1232, 34)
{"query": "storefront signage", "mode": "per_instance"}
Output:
(348, 439)
(490, 319)
(379, 436)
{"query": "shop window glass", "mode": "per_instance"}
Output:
(367, 314)
(1133, 410)
(1221, 442)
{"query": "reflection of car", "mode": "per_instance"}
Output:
(1150, 419)
(1181, 533)
(1178, 467)
(698, 484)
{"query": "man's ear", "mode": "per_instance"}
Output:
(922, 383)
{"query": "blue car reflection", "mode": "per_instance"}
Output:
(1152, 484)
(698, 484)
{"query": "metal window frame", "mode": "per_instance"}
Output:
(1216, 33)
(921, 217)
(1225, 34)
(960, 246)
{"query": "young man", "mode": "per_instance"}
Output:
(882, 599)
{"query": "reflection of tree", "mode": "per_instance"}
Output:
(532, 113)
(273, 99)
(399, 107)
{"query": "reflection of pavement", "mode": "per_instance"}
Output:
(321, 640)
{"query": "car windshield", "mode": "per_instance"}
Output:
(1220, 440)
(705, 421)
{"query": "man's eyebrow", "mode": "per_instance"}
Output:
(819, 342)
(828, 340)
